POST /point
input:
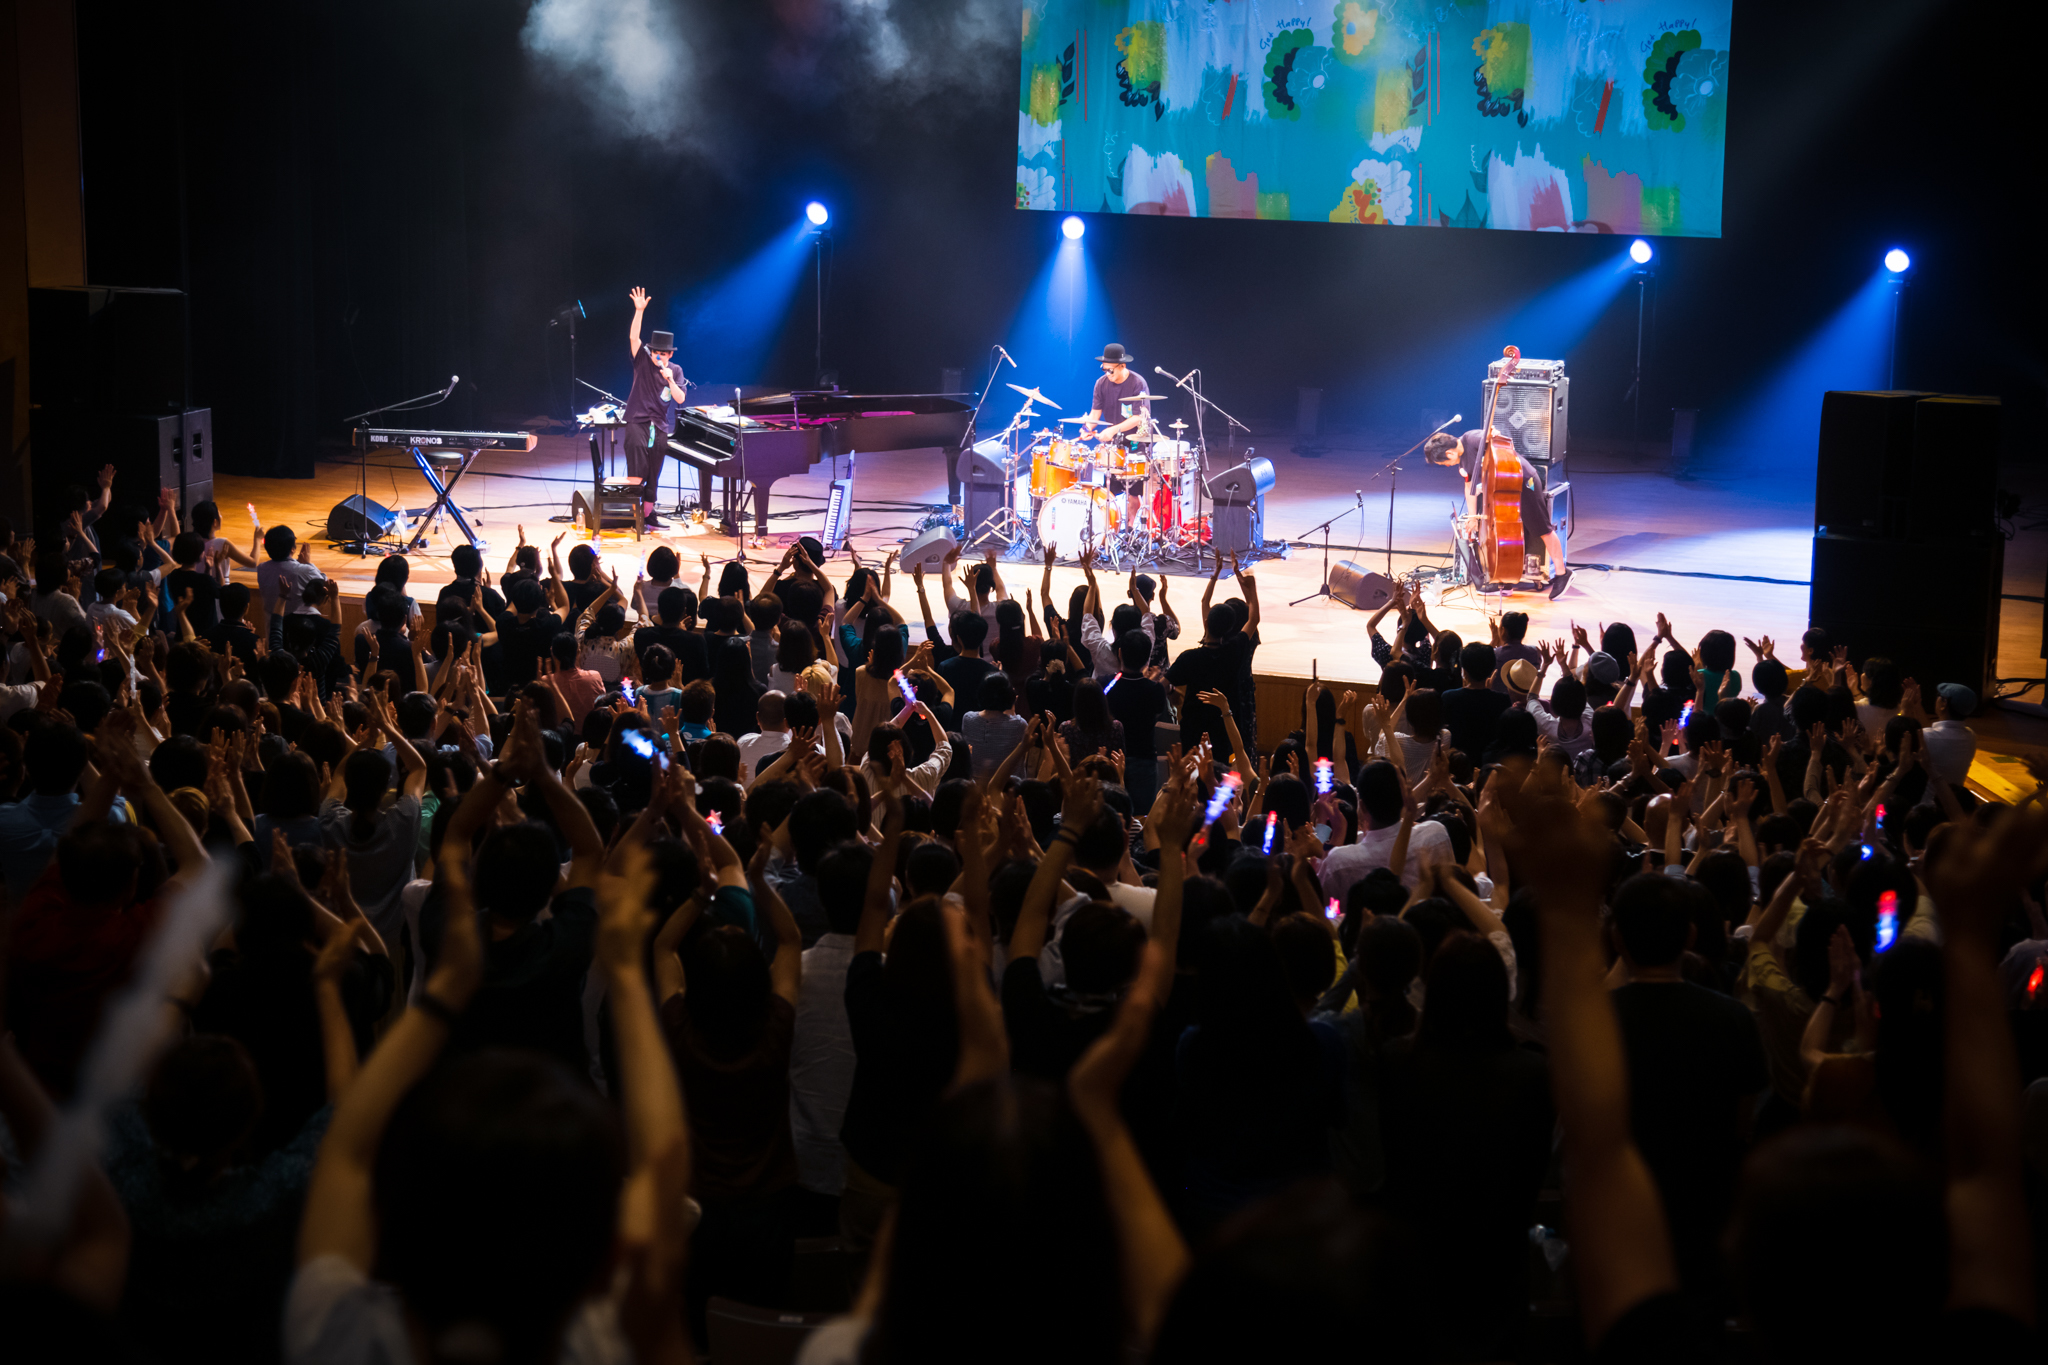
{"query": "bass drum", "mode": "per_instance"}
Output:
(1078, 514)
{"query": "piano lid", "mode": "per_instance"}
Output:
(828, 404)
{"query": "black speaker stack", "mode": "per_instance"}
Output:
(1908, 560)
(107, 386)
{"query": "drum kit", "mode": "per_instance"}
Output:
(1123, 496)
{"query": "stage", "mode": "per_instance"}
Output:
(1707, 554)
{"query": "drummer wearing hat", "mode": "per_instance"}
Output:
(1119, 385)
(656, 384)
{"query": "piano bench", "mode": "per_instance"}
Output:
(613, 507)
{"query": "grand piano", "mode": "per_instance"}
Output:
(774, 435)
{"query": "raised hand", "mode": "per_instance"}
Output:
(639, 298)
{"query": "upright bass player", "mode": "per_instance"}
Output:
(1466, 453)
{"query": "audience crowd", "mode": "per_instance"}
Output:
(571, 964)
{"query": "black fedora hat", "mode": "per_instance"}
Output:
(662, 341)
(1114, 354)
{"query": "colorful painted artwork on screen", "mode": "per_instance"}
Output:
(1543, 115)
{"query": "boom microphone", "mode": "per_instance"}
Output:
(1006, 355)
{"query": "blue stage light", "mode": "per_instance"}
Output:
(817, 213)
(1897, 261)
(1073, 228)
(1639, 251)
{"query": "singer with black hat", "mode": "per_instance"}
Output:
(656, 385)
(1120, 398)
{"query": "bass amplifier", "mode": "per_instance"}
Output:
(1533, 415)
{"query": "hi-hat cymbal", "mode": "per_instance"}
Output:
(1178, 425)
(1034, 395)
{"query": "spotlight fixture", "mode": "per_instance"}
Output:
(1639, 251)
(817, 213)
(1897, 261)
(1072, 228)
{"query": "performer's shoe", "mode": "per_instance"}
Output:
(1559, 584)
(653, 522)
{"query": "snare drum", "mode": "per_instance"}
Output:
(1051, 473)
(1078, 513)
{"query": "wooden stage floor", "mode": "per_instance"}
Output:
(1708, 555)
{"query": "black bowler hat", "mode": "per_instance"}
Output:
(1114, 354)
(662, 341)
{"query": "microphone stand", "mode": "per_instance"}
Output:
(1201, 443)
(995, 367)
(1392, 469)
(1324, 590)
(425, 400)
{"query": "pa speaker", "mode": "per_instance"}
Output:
(358, 518)
(1360, 587)
(1953, 475)
(1866, 449)
(1929, 606)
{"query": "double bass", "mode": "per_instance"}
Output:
(1498, 530)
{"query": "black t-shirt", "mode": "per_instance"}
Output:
(1693, 1055)
(236, 638)
(1111, 396)
(394, 654)
(1207, 668)
(1046, 1037)
(532, 992)
(582, 592)
(1469, 714)
(904, 1054)
(526, 643)
(693, 660)
(204, 613)
(964, 675)
(1467, 1133)
(1138, 702)
(1533, 490)
(649, 400)
(454, 601)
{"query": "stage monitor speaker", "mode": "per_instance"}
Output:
(929, 548)
(106, 351)
(1951, 486)
(1866, 458)
(1242, 484)
(357, 518)
(1929, 606)
(1359, 587)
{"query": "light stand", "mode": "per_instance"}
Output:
(1891, 345)
(569, 313)
(818, 235)
(1635, 388)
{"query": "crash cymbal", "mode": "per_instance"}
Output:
(1034, 395)
(1178, 425)
(1073, 419)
